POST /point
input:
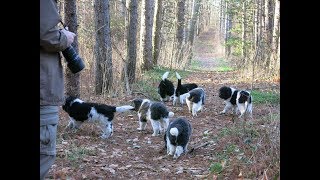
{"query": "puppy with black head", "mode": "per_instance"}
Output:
(177, 137)
(80, 112)
(181, 90)
(237, 100)
(165, 88)
(155, 112)
(195, 100)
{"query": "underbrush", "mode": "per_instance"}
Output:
(248, 149)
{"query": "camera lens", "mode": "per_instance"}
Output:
(74, 62)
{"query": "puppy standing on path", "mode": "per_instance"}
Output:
(236, 99)
(155, 112)
(195, 100)
(177, 137)
(80, 112)
(165, 88)
(181, 90)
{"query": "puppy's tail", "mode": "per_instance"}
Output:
(179, 79)
(178, 76)
(165, 75)
(174, 131)
(247, 104)
(124, 108)
(171, 114)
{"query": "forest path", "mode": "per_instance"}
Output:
(207, 52)
(132, 154)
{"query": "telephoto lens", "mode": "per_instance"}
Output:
(74, 62)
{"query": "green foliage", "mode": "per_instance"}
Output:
(236, 43)
(216, 168)
(150, 80)
(195, 65)
(265, 97)
(76, 154)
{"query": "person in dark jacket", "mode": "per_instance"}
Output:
(52, 41)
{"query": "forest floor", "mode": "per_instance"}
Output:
(230, 149)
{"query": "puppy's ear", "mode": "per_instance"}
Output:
(66, 108)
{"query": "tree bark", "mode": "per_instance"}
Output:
(103, 50)
(70, 19)
(244, 33)
(132, 41)
(276, 34)
(147, 49)
(158, 34)
(194, 18)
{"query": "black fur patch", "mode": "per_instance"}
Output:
(185, 130)
(244, 96)
(143, 111)
(234, 97)
(165, 88)
(184, 88)
(225, 92)
(137, 104)
(196, 95)
(158, 111)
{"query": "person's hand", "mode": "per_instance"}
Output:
(70, 36)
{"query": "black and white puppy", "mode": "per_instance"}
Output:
(181, 90)
(80, 112)
(165, 88)
(195, 100)
(237, 99)
(177, 137)
(155, 112)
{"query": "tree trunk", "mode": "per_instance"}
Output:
(103, 50)
(147, 49)
(142, 34)
(195, 14)
(255, 16)
(194, 18)
(228, 28)
(70, 19)
(157, 38)
(180, 29)
(222, 15)
(132, 41)
(244, 34)
(261, 27)
(199, 22)
(276, 35)
(267, 33)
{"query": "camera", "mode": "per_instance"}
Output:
(74, 62)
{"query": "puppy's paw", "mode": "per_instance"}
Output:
(175, 156)
(154, 134)
(222, 112)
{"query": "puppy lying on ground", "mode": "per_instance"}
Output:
(165, 88)
(195, 100)
(155, 112)
(237, 99)
(80, 112)
(177, 137)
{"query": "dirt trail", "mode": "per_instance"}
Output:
(131, 154)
